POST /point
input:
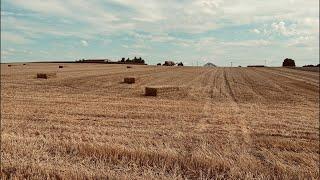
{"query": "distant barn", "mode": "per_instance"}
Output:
(210, 65)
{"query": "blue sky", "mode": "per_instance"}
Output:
(218, 31)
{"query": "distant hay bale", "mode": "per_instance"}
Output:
(129, 80)
(129, 67)
(156, 90)
(24, 64)
(60, 66)
(9, 65)
(45, 75)
(42, 75)
(151, 91)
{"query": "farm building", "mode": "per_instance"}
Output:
(210, 65)
(169, 63)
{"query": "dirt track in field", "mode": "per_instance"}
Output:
(224, 123)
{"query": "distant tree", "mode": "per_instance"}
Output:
(128, 60)
(180, 64)
(309, 65)
(123, 59)
(318, 65)
(159, 64)
(80, 60)
(169, 63)
(289, 62)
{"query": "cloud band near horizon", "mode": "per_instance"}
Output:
(217, 31)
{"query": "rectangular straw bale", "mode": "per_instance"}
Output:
(151, 91)
(129, 80)
(45, 75)
(156, 90)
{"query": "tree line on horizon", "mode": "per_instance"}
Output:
(134, 60)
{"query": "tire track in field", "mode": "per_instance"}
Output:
(237, 123)
(198, 88)
(307, 74)
(252, 84)
(292, 88)
(236, 115)
(293, 76)
(207, 106)
(249, 148)
(227, 83)
(262, 89)
(271, 86)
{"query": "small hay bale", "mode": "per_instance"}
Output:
(42, 75)
(151, 91)
(129, 80)
(129, 67)
(24, 64)
(161, 90)
(60, 66)
(9, 65)
(45, 75)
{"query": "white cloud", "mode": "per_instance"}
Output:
(194, 16)
(84, 43)
(144, 11)
(308, 42)
(248, 43)
(15, 38)
(257, 31)
(282, 29)
(68, 9)
(136, 53)
(44, 52)
(297, 21)
(12, 52)
(5, 53)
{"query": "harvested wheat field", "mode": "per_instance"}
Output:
(221, 123)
